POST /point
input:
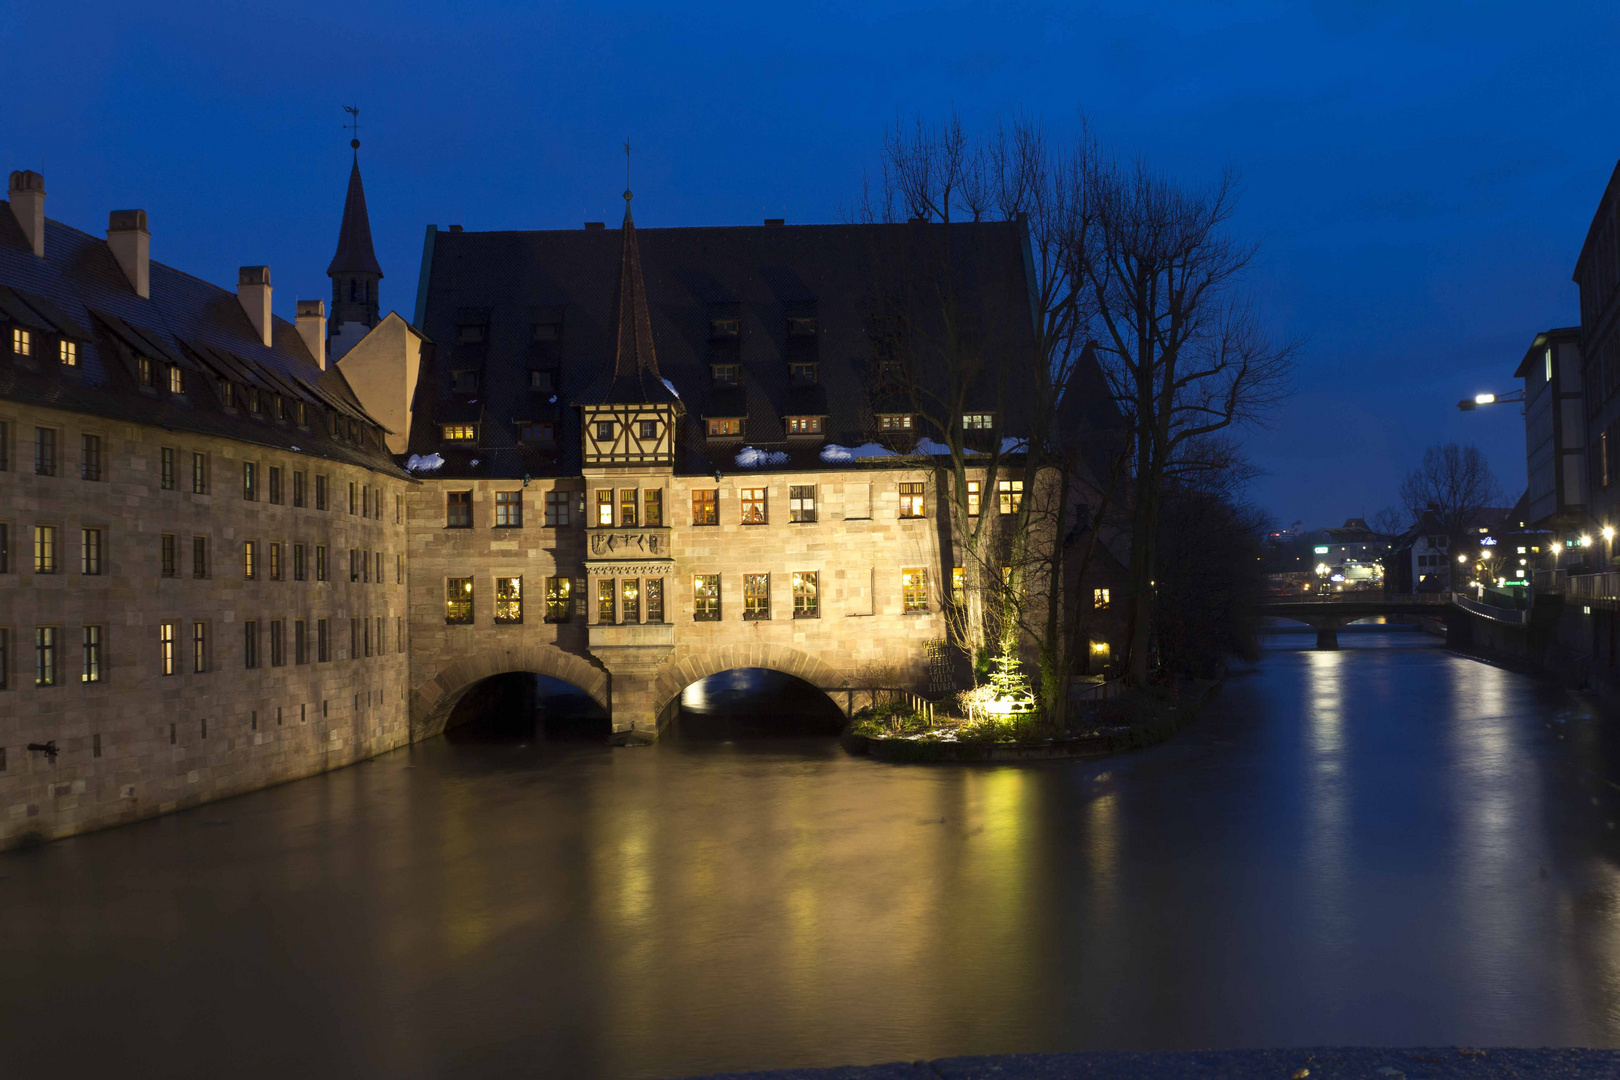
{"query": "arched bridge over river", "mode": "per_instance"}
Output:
(1327, 616)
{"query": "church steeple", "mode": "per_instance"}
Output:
(354, 269)
(636, 361)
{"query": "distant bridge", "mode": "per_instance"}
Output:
(1328, 615)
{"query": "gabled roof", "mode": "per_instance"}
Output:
(354, 252)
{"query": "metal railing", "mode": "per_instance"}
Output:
(1512, 616)
(1594, 586)
(1106, 690)
(1549, 581)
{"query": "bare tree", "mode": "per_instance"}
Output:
(1389, 522)
(1186, 355)
(1453, 483)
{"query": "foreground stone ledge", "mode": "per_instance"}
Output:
(1315, 1063)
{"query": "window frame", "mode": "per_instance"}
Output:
(706, 605)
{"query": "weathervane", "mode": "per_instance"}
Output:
(627, 170)
(354, 111)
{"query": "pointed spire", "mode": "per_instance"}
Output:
(635, 354)
(354, 252)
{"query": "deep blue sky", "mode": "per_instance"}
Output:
(1420, 182)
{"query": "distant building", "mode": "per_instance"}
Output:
(1597, 274)
(1554, 431)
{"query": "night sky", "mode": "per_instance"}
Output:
(1420, 180)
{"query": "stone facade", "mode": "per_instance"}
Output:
(135, 742)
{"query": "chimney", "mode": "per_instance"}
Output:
(774, 222)
(253, 289)
(312, 328)
(27, 197)
(131, 245)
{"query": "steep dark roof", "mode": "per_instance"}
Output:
(635, 379)
(828, 277)
(79, 292)
(354, 253)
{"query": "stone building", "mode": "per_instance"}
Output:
(234, 550)
(202, 540)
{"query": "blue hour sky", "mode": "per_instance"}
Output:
(1419, 176)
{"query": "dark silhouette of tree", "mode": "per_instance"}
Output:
(1453, 483)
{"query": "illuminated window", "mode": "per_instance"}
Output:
(911, 499)
(894, 421)
(973, 492)
(91, 639)
(250, 566)
(458, 510)
(630, 600)
(199, 474)
(558, 603)
(556, 508)
(806, 595)
(1099, 598)
(45, 656)
(22, 342)
(177, 380)
(706, 597)
(914, 588)
(604, 507)
(802, 502)
(655, 600)
(275, 561)
(604, 600)
(508, 509)
(724, 427)
(227, 392)
(976, 421)
(199, 647)
(653, 502)
(44, 549)
(69, 353)
(460, 432)
(90, 551)
(628, 504)
(458, 600)
(753, 506)
(255, 401)
(804, 425)
(166, 657)
(508, 599)
(250, 481)
(1011, 493)
(706, 507)
(756, 596)
(959, 586)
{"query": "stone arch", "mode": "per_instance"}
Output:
(433, 699)
(683, 671)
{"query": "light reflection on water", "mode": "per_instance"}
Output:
(1389, 844)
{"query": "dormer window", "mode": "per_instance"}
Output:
(894, 421)
(147, 370)
(300, 414)
(69, 353)
(177, 379)
(470, 335)
(227, 394)
(977, 421)
(725, 327)
(460, 432)
(725, 374)
(22, 341)
(253, 402)
(464, 382)
(722, 428)
(547, 331)
(539, 433)
(281, 407)
(802, 325)
(804, 425)
(802, 374)
(543, 382)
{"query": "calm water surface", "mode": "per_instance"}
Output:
(1388, 844)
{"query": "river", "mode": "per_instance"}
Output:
(1388, 844)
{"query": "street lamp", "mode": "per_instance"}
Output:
(1469, 405)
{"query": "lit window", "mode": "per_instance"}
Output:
(1099, 598)
(199, 647)
(756, 596)
(460, 432)
(894, 421)
(69, 352)
(508, 509)
(973, 490)
(911, 500)
(655, 600)
(250, 481)
(227, 392)
(458, 600)
(604, 601)
(166, 657)
(753, 506)
(959, 586)
(806, 595)
(914, 587)
(721, 428)
(804, 425)
(45, 656)
(90, 552)
(92, 655)
(653, 502)
(44, 549)
(976, 421)
(802, 502)
(508, 599)
(706, 507)
(604, 508)
(1011, 493)
(177, 380)
(558, 604)
(627, 507)
(250, 566)
(22, 342)
(706, 597)
(630, 600)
